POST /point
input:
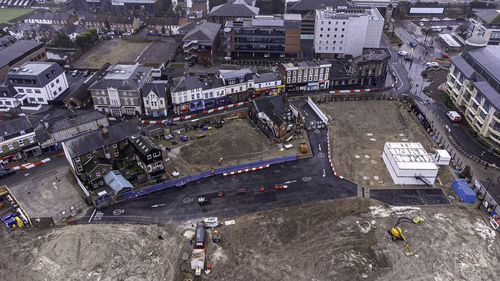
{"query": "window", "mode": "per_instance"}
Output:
(156, 154)
(321, 35)
(20, 90)
(52, 84)
(117, 153)
(319, 48)
(10, 146)
(115, 145)
(37, 91)
(149, 156)
(80, 168)
(343, 29)
(335, 36)
(328, 35)
(150, 168)
(321, 29)
(101, 183)
(104, 171)
(57, 80)
(40, 100)
(335, 29)
(32, 100)
(322, 22)
(59, 89)
(320, 41)
(192, 96)
(326, 48)
(89, 156)
(77, 159)
(55, 93)
(97, 173)
(343, 23)
(29, 91)
(328, 29)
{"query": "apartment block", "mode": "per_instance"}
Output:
(306, 75)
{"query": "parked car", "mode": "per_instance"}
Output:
(413, 44)
(6, 172)
(408, 58)
(86, 73)
(445, 55)
(421, 23)
(431, 64)
(403, 53)
(454, 116)
(74, 73)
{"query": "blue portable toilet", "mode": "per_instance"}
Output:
(463, 190)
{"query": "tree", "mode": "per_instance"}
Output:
(62, 40)
(86, 39)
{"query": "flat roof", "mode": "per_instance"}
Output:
(426, 10)
(410, 156)
(449, 40)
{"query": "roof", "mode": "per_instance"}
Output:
(15, 125)
(373, 55)
(47, 15)
(9, 54)
(87, 143)
(119, 19)
(123, 77)
(205, 32)
(274, 107)
(187, 26)
(162, 21)
(265, 77)
(248, 2)
(160, 89)
(116, 181)
(489, 92)
(187, 83)
(450, 41)
(33, 74)
(410, 156)
(78, 118)
(464, 66)
(92, 164)
(311, 5)
(238, 8)
(489, 58)
(490, 16)
(233, 74)
(73, 28)
(142, 144)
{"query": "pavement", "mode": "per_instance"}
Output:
(307, 180)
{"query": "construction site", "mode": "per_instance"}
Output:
(359, 131)
(344, 239)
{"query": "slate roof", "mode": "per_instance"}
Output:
(116, 181)
(238, 8)
(464, 66)
(162, 21)
(311, 5)
(73, 28)
(47, 15)
(13, 126)
(10, 53)
(123, 77)
(92, 164)
(187, 83)
(490, 16)
(265, 77)
(87, 143)
(144, 145)
(248, 2)
(160, 89)
(186, 27)
(39, 74)
(80, 117)
(233, 74)
(489, 58)
(205, 32)
(274, 107)
(489, 92)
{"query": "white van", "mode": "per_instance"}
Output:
(454, 116)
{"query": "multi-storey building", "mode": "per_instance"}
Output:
(239, 84)
(267, 84)
(17, 141)
(47, 17)
(263, 37)
(166, 25)
(119, 91)
(192, 93)
(200, 43)
(154, 99)
(490, 21)
(366, 71)
(345, 31)
(473, 84)
(124, 24)
(273, 115)
(124, 7)
(37, 82)
(232, 10)
(103, 143)
(306, 75)
(147, 154)
(16, 52)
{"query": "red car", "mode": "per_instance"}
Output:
(279, 187)
(445, 55)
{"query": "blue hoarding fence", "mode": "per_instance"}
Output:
(183, 180)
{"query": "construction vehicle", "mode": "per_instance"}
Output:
(183, 138)
(304, 148)
(202, 200)
(396, 233)
(199, 136)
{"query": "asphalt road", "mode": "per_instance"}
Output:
(308, 180)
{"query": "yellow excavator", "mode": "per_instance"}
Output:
(396, 233)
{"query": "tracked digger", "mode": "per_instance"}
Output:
(396, 233)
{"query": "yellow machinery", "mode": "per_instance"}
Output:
(396, 232)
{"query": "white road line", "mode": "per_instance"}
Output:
(399, 79)
(93, 213)
(287, 182)
(319, 146)
(324, 174)
(54, 184)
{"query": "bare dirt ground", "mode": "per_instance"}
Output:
(236, 142)
(358, 132)
(331, 240)
(112, 51)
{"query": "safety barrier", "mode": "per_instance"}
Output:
(204, 174)
(186, 117)
(330, 156)
(316, 109)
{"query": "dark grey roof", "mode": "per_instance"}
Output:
(489, 58)
(490, 16)
(11, 53)
(7, 91)
(92, 164)
(186, 27)
(142, 144)
(187, 83)
(87, 143)
(33, 74)
(73, 28)
(311, 5)
(265, 77)
(274, 107)
(463, 66)
(374, 54)
(123, 77)
(205, 32)
(78, 118)
(15, 125)
(248, 2)
(236, 9)
(491, 94)
(47, 15)
(160, 89)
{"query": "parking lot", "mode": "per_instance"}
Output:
(12, 215)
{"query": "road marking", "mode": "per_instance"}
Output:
(93, 213)
(54, 184)
(306, 113)
(319, 146)
(399, 78)
(324, 173)
(157, 205)
(118, 212)
(287, 182)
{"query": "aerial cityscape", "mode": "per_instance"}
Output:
(249, 140)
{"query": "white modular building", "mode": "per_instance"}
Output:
(409, 164)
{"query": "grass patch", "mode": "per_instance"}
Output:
(393, 37)
(6, 14)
